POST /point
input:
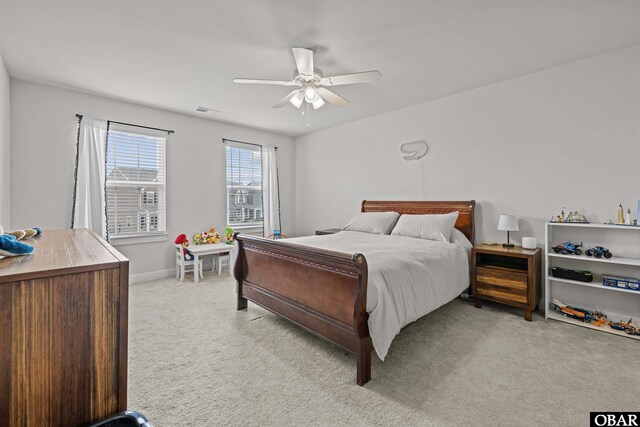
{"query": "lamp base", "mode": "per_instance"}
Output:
(508, 245)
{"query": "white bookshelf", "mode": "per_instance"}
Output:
(618, 304)
(615, 260)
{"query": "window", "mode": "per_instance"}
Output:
(136, 194)
(244, 185)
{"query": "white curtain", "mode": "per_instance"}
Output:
(270, 196)
(89, 202)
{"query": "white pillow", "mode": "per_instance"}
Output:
(373, 222)
(430, 227)
(461, 240)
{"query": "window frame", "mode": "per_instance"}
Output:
(249, 227)
(143, 236)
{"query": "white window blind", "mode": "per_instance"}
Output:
(244, 185)
(136, 192)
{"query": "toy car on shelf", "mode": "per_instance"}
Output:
(568, 248)
(595, 317)
(630, 327)
(599, 252)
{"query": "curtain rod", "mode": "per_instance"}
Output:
(224, 141)
(131, 124)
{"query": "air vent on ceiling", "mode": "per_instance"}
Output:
(201, 109)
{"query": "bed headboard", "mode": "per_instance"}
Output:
(465, 208)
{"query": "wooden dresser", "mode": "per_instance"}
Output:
(63, 331)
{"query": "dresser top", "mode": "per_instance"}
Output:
(61, 252)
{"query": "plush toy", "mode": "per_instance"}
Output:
(228, 236)
(198, 240)
(9, 246)
(182, 240)
(23, 234)
(214, 237)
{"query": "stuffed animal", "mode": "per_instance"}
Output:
(182, 240)
(214, 237)
(198, 240)
(228, 236)
(23, 234)
(9, 246)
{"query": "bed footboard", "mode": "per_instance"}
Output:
(322, 291)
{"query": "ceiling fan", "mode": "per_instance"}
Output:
(312, 84)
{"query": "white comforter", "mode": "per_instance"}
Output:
(408, 277)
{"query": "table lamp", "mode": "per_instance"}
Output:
(508, 223)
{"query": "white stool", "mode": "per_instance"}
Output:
(219, 261)
(183, 266)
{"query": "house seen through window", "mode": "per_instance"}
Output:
(135, 185)
(244, 185)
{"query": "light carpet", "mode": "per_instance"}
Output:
(196, 361)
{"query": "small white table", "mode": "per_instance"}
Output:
(209, 249)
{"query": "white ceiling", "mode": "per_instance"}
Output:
(179, 54)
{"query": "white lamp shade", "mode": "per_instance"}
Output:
(319, 102)
(508, 223)
(297, 99)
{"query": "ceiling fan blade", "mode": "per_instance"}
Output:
(348, 79)
(331, 97)
(286, 99)
(266, 82)
(304, 60)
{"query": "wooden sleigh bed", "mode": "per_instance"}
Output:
(322, 291)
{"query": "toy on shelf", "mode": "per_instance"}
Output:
(572, 217)
(630, 327)
(599, 252)
(568, 248)
(585, 315)
(620, 215)
(621, 282)
(623, 219)
(184, 242)
(228, 236)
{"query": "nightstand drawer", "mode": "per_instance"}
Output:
(502, 277)
(502, 293)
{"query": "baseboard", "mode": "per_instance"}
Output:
(152, 275)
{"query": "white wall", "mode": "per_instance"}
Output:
(566, 136)
(43, 135)
(5, 118)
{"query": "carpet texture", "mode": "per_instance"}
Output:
(196, 361)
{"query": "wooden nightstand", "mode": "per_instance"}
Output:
(506, 275)
(327, 231)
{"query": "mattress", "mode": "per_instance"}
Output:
(407, 277)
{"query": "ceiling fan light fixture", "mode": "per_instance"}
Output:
(311, 84)
(317, 103)
(310, 94)
(297, 99)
